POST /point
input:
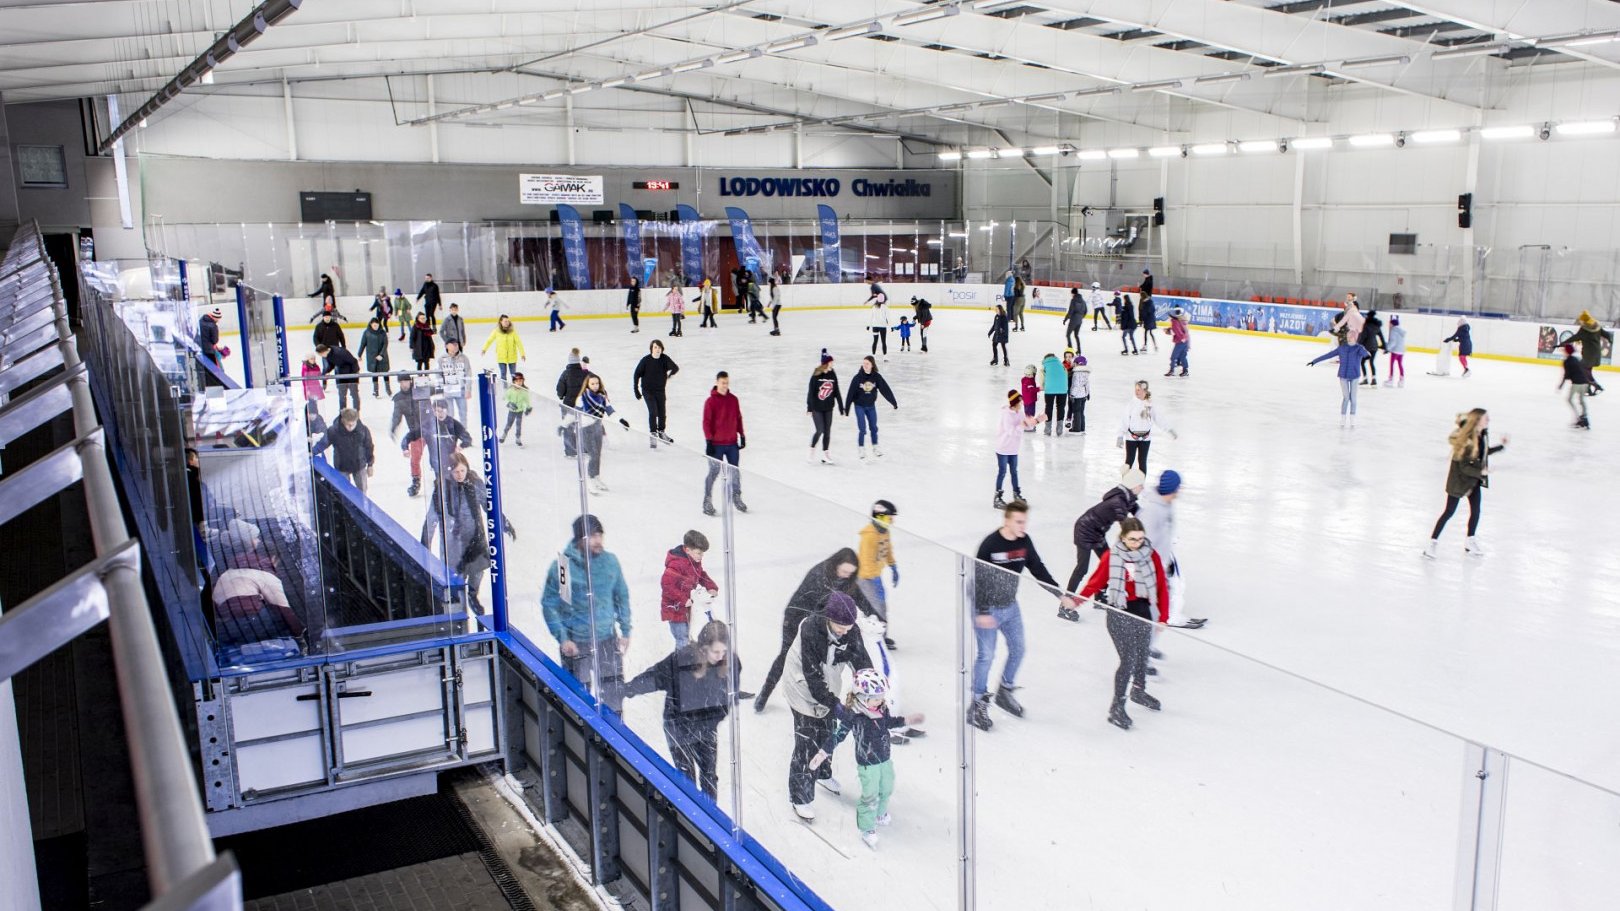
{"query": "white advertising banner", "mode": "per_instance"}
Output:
(543, 189)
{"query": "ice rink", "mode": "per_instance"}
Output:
(1300, 540)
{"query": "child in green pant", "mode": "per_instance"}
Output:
(517, 405)
(867, 717)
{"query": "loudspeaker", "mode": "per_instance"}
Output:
(1158, 210)
(602, 216)
(554, 216)
(1465, 210)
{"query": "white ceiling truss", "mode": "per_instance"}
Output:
(928, 71)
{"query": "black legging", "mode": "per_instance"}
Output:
(1137, 451)
(1072, 336)
(1451, 508)
(1100, 312)
(776, 325)
(708, 319)
(675, 323)
(791, 618)
(1077, 413)
(823, 421)
(1082, 563)
(1369, 362)
(655, 410)
(1059, 402)
(880, 335)
(1003, 346)
(1128, 335)
(635, 317)
(1132, 636)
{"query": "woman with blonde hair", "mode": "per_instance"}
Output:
(1469, 475)
(1137, 424)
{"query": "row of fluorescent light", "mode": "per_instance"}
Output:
(1304, 143)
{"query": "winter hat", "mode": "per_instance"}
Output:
(573, 356)
(549, 290)
(1395, 321)
(1014, 397)
(1096, 284)
(825, 357)
(217, 313)
(587, 525)
(398, 293)
(1169, 482)
(1568, 348)
(1080, 360)
(1585, 318)
(1132, 477)
(841, 609)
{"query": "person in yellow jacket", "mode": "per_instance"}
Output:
(876, 552)
(508, 347)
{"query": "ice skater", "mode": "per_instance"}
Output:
(649, 381)
(1350, 356)
(709, 300)
(1580, 385)
(1055, 392)
(632, 302)
(866, 715)
(1079, 394)
(684, 583)
(1591, 337)
(1157, 510)
(1009, 437)
(699, 688)
(675, 306)
(1136, 426)
(554, 304)
(776, 306)
(1074, 318)
(1396, 346)
(1100, 302)
(1180, 341)
(998, 336)
(1371, 340)
(593, 401)
(924, 317)
(402, 312)
(877, 320)
(1131, 578)
(517, 407)
(861, 398)
(834, 574)
(1467, 477)
(1091, 528)
(1002, 557)
(822, 398)
(1148, 315)
(1464, 337)
(1030, 389)
(905, 333)
(876, 554)
(591, 618)
(1127, 327)
(508, 347)
(723, 440)
(822, 644)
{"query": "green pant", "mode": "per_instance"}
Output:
(877, 784)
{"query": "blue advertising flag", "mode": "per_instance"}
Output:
(832, 256)
(573, 238)
(749, 251)
(691, 244)
(632, 238)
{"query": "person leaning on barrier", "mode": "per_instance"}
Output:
(591, 622)
(459, 492)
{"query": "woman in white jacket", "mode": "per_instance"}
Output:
(1156, 509)
(1136, 426)
(1079, 393)
(878, 322)
(1396, 346)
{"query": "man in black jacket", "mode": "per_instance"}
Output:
(208, 342)
(353, 453)
(1073, 319)
(823, 643)
(443, 436)
(329, 332)
(411, 408)
(428, 297)
(569, 382)
(343, 365)
(1091, 529)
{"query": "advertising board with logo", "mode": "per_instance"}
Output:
(549, 189)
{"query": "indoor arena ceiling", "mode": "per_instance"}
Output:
(926, 70)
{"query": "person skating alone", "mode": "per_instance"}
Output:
(327, 294)
(429, 298)
(1350, 356)
(1002, 557)
(440, 435)
(649, 382)
(1009, 438)
(374, 355)
(518, 407)
(1148, 317)
(1127, 328)
(823, 644)
(776, 306)
(508, 347)
(1079, 394)
(1137, 424)
(328, 331)
(632, 302)
(1100, 302)
(1591, 337)
(699, 683)
(412, 409)
(457, 514)
(555, 306)
(684, 584)
(834, 574)
(876, 554)
(1055, 392)
(905, 333)
(1464, 337)
(1091, 528)
(1180, 341)
(402, 312)
(998, 336)
(675, 306)
(1580, 385)
(422, 348)
(1467, 477)
(1131, 578)
(453, 328)
(1074, 318)
(864, 389)
(821, 399)
(866, 715)
(343, 366)
(1396, 346)
(591, 621)
(724, 440)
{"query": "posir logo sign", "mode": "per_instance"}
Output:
(824, 187)
(543, 189)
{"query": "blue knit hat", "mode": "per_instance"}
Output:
(1169, 483)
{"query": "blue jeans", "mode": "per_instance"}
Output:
(1005, 464)
(728, 454)
(556, 321)
(1010, 623)
(865, 416)
(507, 370)
(682, 632)
(1178, 356)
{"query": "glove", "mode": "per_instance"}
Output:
(894, 575)
(708, 450)
(742, 441)
(624, 423)
(511, 532)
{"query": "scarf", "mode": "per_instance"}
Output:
(1139, 563)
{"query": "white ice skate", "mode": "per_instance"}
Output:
(832, 785)
(876, 451)
(596, 486)
(812, 457)
(806, 811)
(871, 838)
(826, 458)
(861, 451)
(884, 820)
(1473, 546)
(1430, 550)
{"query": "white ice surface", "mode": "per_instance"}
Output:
(1301, 543)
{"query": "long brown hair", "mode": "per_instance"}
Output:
(1465, 439)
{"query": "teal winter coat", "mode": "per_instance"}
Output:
(1055, 377)
(569, 620)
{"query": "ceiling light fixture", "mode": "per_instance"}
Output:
(1430, 137)
(952, 108)
(853, 31)
(1522, 131)
(792, 44)
(1371, 140)
(1209, 148)
(1164, 151)
(1051, 150)
(653, 74)
(738, 56)
(979, 154)
(1224, 77)
(1585, 128)
(1257, 145)
(1105, 90)
(614, 83)
(1124, 153)
(1367, 62)
(1312, 142)
(939, 11)
(1296, 69)
(692, 65)
(580, 89)
(950, 156)
(994, 103)
(1155, 86)
(1580, 39)
(1092, 155)
(1010, 153)
(1470, 50)
(1052, 97)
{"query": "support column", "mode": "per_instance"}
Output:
(433, 125)
(1471, 262)
(798, 146)
(126, 218)
(10, 210)
(287, 113)
(1299, 218)
(1481, 828)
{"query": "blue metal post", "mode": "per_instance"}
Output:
(242, 336)
(493, 522)
(280, 316)
(185, 286)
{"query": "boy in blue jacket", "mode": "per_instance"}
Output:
(585, 638)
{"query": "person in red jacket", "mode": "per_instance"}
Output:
(723, 440)
(684, 578)
(1132, 581)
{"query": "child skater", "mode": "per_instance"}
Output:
(1464, 337)
(1031, 391)
(905, 334)
(675, 306)
(1350, 355)
(517, 406)
(1079, 394)
(1010, 436)
(1396, 346)
(866, 715)
(683, 583)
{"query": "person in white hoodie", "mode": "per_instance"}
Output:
(1396, 346)
(1136, 426)
(1079, 394)
(1156, 509)
(877, 320)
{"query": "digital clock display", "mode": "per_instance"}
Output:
(655, 185)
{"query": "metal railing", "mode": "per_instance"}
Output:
(41, 378)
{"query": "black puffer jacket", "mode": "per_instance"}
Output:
(1091, 529)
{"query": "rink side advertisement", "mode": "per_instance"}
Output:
(1550, 338)
(1250, 317)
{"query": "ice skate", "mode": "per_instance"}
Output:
(831, 785)
(1117, 716)
(806, 811)
(1466, 373)
(979, 713)
(652, 441)
(1191, 623)
(998, 504)
(503, 438)
(812, 457)
(1068, 613)
(1141, 697)
(871, 839)
(888, 643)
(826, 458)
(519, 442)
(1430, 549)
(1006, 702)
(738, 504)
(415, 488)
(876, 452)
(1473, 546)
(596, 486)
(1170, 372)
(708, 507)
(1183, 372)
(759, 704)
(1155, 654)
(884, 820)
(1374, 381)
(861, 452)
(897, 739)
